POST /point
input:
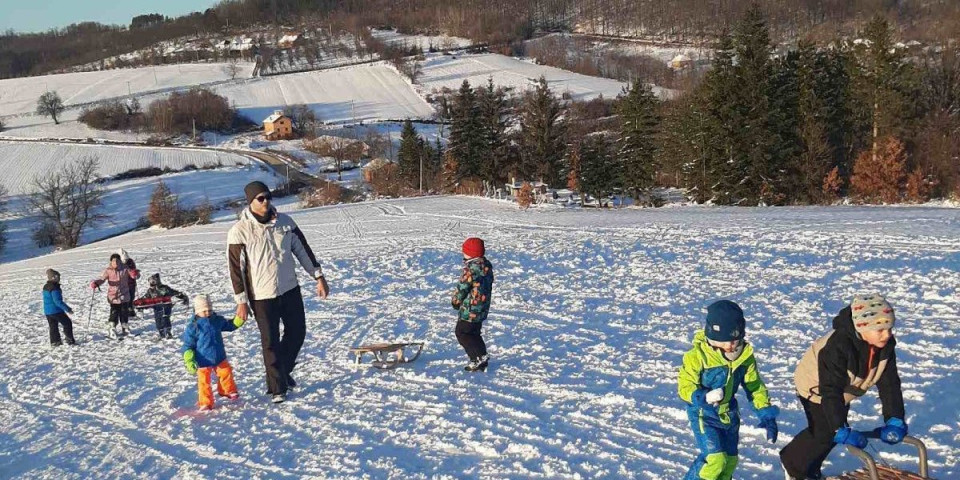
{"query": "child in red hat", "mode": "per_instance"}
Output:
(472, 300)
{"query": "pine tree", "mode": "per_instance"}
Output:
(754, 167)
(466, 143)
(541, 135)
(640, 123)
(883, 81)
(494, 111)
(599, 173)
(408, 157)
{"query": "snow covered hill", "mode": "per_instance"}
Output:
(19, 95)
(591, 313)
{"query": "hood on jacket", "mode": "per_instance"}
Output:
(154, 280)
(51, 286)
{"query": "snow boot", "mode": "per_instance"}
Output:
(478, 365)
(233, 396)
(112, 332)
(279, 398)
(55, 344)
(290, 381)
(124, 329)
(205, 408)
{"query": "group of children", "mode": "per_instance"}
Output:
(838, 368)
(841, 366)
(203, 349)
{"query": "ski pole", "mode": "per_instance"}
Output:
(93, 293)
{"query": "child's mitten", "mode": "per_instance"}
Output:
(768, 421)
(849, 436)
(190, 361)
(894, 431)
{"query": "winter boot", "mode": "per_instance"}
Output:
(279, 398)
(478, 365)
(124, 329)
(112, 331)
(55, 344)
(205, 408)
(290, 381)
(233, 396)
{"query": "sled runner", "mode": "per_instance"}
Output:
(872, 471)
(383, 351)
(143, 303)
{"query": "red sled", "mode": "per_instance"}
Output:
(142, 303)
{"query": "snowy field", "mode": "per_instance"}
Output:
(21, 162)
(450, 71)
(19, 95)
(361, 93)
(591, 314)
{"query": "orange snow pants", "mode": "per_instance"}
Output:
(225, 383)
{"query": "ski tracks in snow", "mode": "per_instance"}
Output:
(591, 313)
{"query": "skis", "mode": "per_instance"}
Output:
(382, 353)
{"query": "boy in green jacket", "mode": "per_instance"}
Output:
(717, 365)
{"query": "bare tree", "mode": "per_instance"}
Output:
(69, 200)
(302, 118)
(232, 68)
(337, 148)
(50, 104)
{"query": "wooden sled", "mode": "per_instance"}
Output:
(382, 353)
(872, 471)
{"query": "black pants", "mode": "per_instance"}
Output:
(280, 354)
(804, 456)
(61, 319)
(468, 334)
(161, 316)
(118, 313)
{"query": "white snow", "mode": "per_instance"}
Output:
(20, 162)
(591, 314)
(451, 70)
(361, 93)
(19, 95)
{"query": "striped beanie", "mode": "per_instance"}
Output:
(871, 312)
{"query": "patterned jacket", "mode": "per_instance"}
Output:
(472, 296)
(118, 280)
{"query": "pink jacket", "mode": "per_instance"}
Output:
(119, 283)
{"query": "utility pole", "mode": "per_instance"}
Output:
(194, 130)
(421, 171)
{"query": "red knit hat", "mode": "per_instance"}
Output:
(473, 247)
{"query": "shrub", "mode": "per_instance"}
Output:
(111, 116)
(45, 235)
(832, 185)
(878, 178)
(177, 113)
(164, 208)
(918, 187)
(525, 196)
(326, 193)
(386, 182)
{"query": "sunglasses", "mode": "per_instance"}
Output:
(263, 198)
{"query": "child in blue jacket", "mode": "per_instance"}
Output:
(719, 363)
(56, 310)
(204, 354)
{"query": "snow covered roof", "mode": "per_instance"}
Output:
(273, 118)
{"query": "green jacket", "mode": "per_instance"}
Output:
(705, 367)
(472, 296)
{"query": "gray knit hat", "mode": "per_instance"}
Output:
(871, 312)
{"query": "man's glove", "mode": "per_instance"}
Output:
(768, 420)
(894, 431)
(849, 436)
(190, 361)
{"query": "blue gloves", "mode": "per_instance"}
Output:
(894, 431)
(768, 420)
(849, 436)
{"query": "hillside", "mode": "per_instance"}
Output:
(591, 314)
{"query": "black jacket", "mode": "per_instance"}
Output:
(844, 355)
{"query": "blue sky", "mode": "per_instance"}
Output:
(41, 15)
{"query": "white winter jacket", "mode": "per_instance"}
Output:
(261, 256)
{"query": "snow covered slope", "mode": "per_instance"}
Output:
(19, 95)
(21, 162)
(364, 93)
(450, 72)
(591, 313)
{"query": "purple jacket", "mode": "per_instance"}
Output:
(119, 281)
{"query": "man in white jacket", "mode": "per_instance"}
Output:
(261, 248)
